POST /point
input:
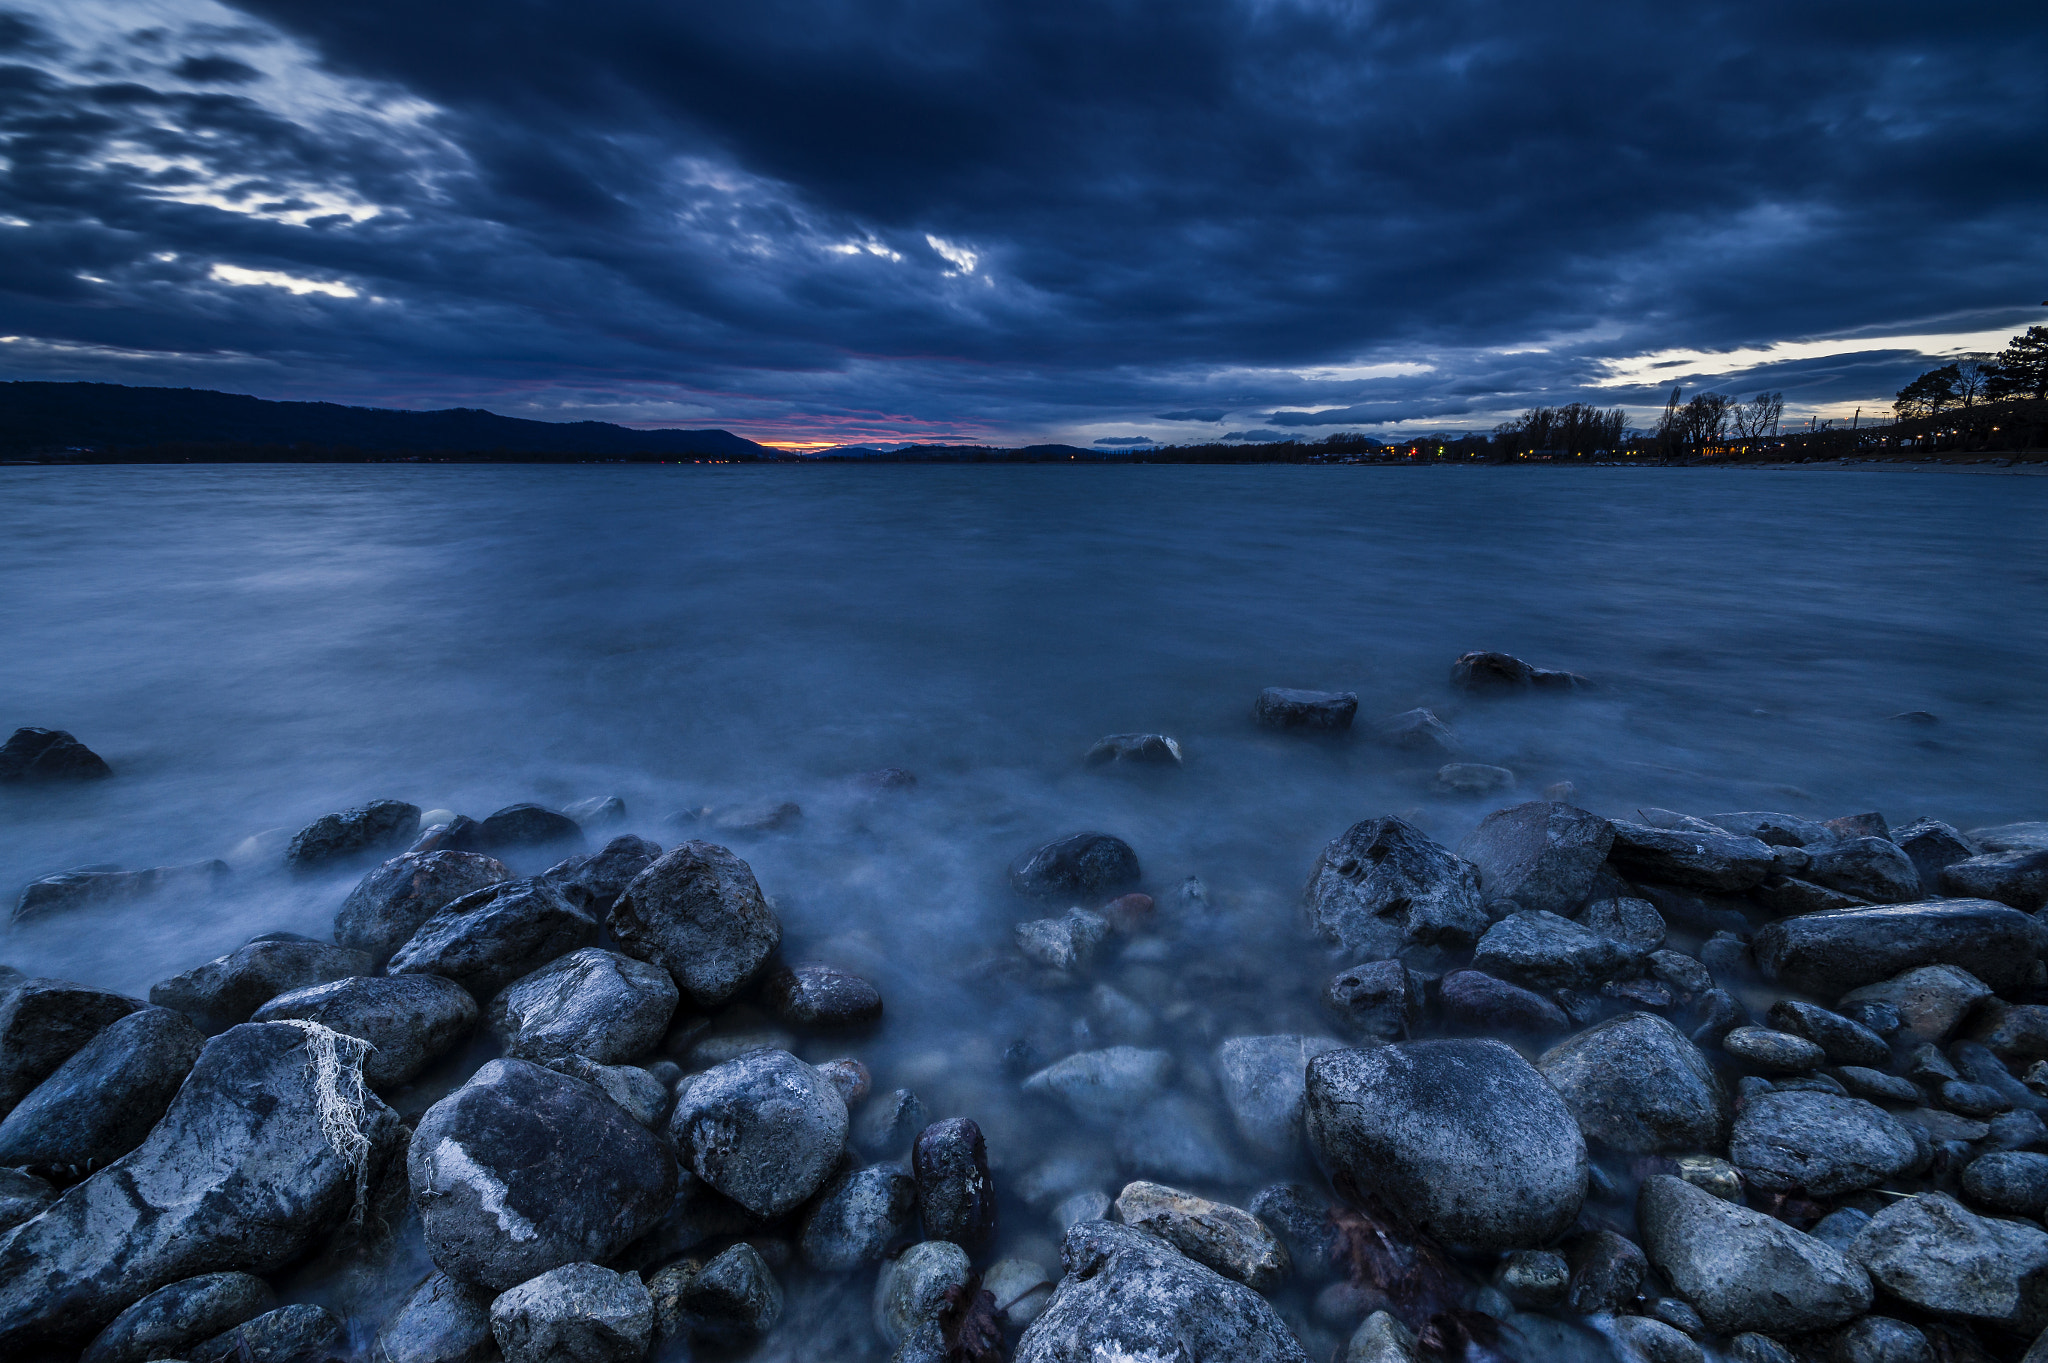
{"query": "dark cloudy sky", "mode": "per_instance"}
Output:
(1019, 219)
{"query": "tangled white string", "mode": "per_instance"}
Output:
(336, 1061)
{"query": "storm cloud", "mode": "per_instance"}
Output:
(1012, 221)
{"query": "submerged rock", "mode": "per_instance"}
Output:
(43, 1023)
(42, 755)
(486, 940)
(1417, 731)
(1079, 864)
(698, 913)
(1635, 923)
(411, 1020)
(1135, 750)
(1743, 1270)
(392, 900)
(765, 1130)
(1264, 1079)
(1488, 674)
(228, 989)
(168, 1320)
(1543, 855)
(593, 1003)
(1382, 886)
(1102, 1085)
(1831, 953)
(92, 887)
(857, 1217)
(102, 1102)
(378, 826)
(1635, 1084)
(1218, 1236)
(1280, 707)
(1068, 942)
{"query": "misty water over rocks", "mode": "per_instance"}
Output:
(735, 654)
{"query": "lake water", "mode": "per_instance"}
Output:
(252, 647)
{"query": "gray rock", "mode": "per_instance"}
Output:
(1846, 1041)
(23, 1197)
(43, 1023)
(1750, 1347)
(1544, 951)
(526, 825)
(639, 1094)
(1929, 1003)
(2010, 1181)
(1635, 923)
(694, 1215)
(1280, 707)
(821, 996)
(698, 913)
(594, 881)
(1135, 750)
(1607, 1272)
(1175, 1137)
(1877, 1085)
(1635, 1084)
(725, 1302)
(1930, 1252)
(378, 826)
(1383, 886)
(1543, 855)
(228, 989)
(1788, 896)
(523, 1170)
(34, 755)
(1079, 864)
(1300, 1217)
(1880, 1339)
(94, 887)
(1227, 1239)
(1934, 847)
(1127, 1294)
(578, 1313)
(2016, 1033)
(1020, 1289)
(1869, 825)
(1681, 972)
(1706, 860)
(1776, 830)
(1263, 1078)
(1819, 1144)
(391, 902)
(300, 1333)
(911, 1289)
(184, 1313)
(765, 1130)
(1840, 1227)
(1644, 1340)
(1417, 731)
(849, 1076)
(442, 1321)
(1068, 942)
(238, 1174)
(2012, 837)
(412, 1020)
(594, 1003)
(1973, 1100)
(2019, 879)
(1462, 1138)
(1773, 1052)
(1534, 1279)
(857, 1217)
(485, 940)
(101, 1103)
(1380, 1000)
(1102, 1085)
(1382, 1338)
(1072, 1211)
(1743, 1270)
(1831, 953)
(1476, 1000)
(889, 1124)
(1869, 868)
(1712, 1174)
(955, 1195)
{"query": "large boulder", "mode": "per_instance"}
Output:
(168, 1320)
(1080, 864)
(411, 1020)
(1543, 855)
(698, 913)
(485, 940)
(381, 825)
(229, 989)
(594, 881)
(1701, 858)
(101, 1103)
(1263, 1079)
(43, 1023)
(1933, 1253)
(35, 755)
(1743, 1270)
(523, 1170)
(1544, 951)
(391, 901)
(1636, 1085)
(1461, 1138)
(2016, 878)
(1130, 1295)
(765, 1130)
(1283, 707)
(1382, 886)
(1874, 869)
(592, 1003)
(1819, 1143)
(1829, 954)
(240, 1174)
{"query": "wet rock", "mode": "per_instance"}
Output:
(1279, 707)
(1175, 1137)
(391, 902)
(1929, 1003)
(2019, 879)
(1831, 953)
(1635, 923)
(1463, 1138)
(857, 1217)
(101, 1102)
(526, 825)
(1382, 1338)
(442, 1321)
(765, 1130)
(378, 826)
(485, 940)
(638, 1094)
(1382, 886)
(185, 1313)
(2012, 837)
(1711, 1174)
(1973, 1100)
(23, 1197)
(1880, 1339)
(1544, 951)
(1819, 1144)
(1846, 1041)
(1750, 1347)
(1136, 750)
(1932, 1253)
(1877, 1085)
(1773, 1052)
(821, 996)
(1503, 674)
(1869, 868)
(1788, 896)
(1088, 1206)
(1101, 1085)
(1534, 1279)
(726, 1302)
(92, 887)
(523, 1170)
(578, 1313)
(1300, 1219)
(1743, 1270)
(698, 912)
(2016, 1033)
(1635, 1084)
(1681, 972)
(1079, 864)
(299, 1333)
(1934, 847)
(1381, 1000)
(412, 1020)
(955, 1196)
(1479, 1001)
(889, 1124)
(455, 833)
(1927, 1065)
(239, 1173)
(1706, 860)
(1776, 830)
(911, 1289)
(1472, 779)
(592, 1002)
(33, 755)
(594, 881)
(1607, 1272)
(1129, 1294)
(850, 1077)
(1417, 731)
(1543, 855)
(1263, 1078)
(2010, 1181)
(1225, 1238)
(43, 1023)
(228, 989)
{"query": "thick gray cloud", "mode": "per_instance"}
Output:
(1011, 220)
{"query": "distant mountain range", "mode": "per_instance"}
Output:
(111, 421)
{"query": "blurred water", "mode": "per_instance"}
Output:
(252, 647)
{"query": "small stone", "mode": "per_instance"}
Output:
(1684, 973)
(578, 1313)
(1634, 1083)
(1300, 1217)
(1066, 943)
(1880, 1339)
(1711, 1174)
(1776, 830)
(758, 817)
(1678, 1315)
(955, 1195)
(850, 1077)
(1606, 1272)
(911, 1289)
(1833, 953)
(1934, 847)
(1020, 1287)
(1635, 923)
(821, 996)
(1534, 1279)
(1749, 1347)
(1380, 1000)
(2010, 1181)
(1877, 1085)
(1545, 856)
(1225, 1238)
(1706, 858)
(598, 811)
(1279, 707)
(87, 887)
(1927, 1065)
(1973, 1100)
(732, 1299)
(1382, 1338)
(1505, 674)
(1772, 1051)
(1135, 750)
(594, 1003)
(1417, 731)
(594, 881)
(103, 1100)
(1727, 956)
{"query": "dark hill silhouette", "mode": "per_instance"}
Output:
(113, 420)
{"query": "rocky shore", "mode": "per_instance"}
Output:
(1641, 1085)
